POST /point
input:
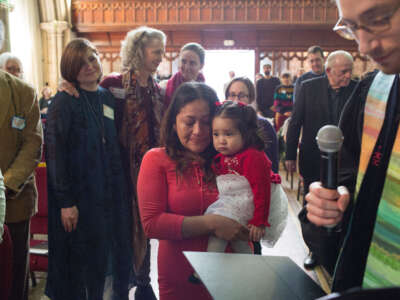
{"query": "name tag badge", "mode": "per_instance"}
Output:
(117, 92)
(18, 123)
(108, 112)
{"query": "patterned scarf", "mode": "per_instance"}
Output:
(383, 262)
(135, 137)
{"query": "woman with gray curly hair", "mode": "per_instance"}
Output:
(134, 45)
(138, 111)
(11, 64)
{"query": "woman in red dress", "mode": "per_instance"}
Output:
(175, 186)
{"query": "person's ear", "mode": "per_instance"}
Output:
(328, 70)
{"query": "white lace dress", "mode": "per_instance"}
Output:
(235, 199)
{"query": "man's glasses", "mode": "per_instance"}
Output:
(375, 25)
(240, 96)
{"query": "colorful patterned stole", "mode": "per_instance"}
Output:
(383, 262)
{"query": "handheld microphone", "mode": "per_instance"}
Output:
(329, 139)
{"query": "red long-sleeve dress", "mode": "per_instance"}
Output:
(163, 204)
(256, 167)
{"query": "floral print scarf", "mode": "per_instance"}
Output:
(140, 131)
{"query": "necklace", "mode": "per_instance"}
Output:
(97, 116)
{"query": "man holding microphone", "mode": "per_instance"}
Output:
(368, 208)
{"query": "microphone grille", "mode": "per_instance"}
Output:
(329, 138)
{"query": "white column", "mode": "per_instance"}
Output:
(54, 44)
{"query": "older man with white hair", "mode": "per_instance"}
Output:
(370, 254)
(11, 64)
(319, 102)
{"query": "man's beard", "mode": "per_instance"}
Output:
(267, 73)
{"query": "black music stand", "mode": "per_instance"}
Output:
(247, 277)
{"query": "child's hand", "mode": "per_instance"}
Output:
(256, 233)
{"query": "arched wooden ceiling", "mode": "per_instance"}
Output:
(266, 25)
(272, 28)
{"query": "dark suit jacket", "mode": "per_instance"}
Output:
(327, 244)
(301, 79)
(310, 113)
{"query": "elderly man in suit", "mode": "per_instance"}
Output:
(20, 152)
(319, 102)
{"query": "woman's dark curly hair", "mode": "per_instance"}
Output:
(185, 94)
(245, 119)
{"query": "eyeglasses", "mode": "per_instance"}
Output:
(13, 70)
(375, 25)
(240, 96)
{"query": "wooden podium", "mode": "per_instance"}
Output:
(253, 277)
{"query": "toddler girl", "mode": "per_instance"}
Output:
(243, 174)
(244, 180)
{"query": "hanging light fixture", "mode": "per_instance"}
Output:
(229, 43)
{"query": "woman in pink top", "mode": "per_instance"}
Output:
(176, 185)
(191, 62)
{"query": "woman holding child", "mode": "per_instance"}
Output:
(176, 184)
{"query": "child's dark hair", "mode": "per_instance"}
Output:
(245, 119)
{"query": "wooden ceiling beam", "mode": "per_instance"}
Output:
(117, 15)
(264, 24)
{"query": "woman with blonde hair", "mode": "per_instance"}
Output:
(138, 119)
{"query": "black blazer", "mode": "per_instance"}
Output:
(310, 113)
(327, 244)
